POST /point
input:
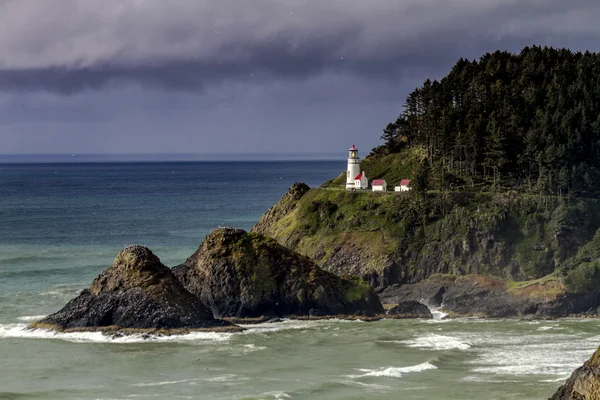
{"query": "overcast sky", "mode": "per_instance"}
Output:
(204, 76)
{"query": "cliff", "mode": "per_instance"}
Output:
(404, 238)
(248, 275)
(136, 293)
(584, 383)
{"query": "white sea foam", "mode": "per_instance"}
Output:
(561, 379)
(437, 342)
(278, 326)
(226, 378)
(479, 379)
(437, 314)
(21, 331)
(165, 382)
(518, 355)
(546, 328)
(372, 386)
(29, 318)
(394, 372)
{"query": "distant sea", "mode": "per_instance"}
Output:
(61, 223)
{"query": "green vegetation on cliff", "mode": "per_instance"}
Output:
(395, 238)
(529, 120)
(504, 157)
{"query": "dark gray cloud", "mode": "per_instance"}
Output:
(70, 46)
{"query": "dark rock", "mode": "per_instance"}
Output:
(429, 291)
(480, 296)
(483, 296)
(240, 274)
(137, 292)
(412, 309)
(584, 383)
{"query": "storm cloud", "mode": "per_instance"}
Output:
(73, 46)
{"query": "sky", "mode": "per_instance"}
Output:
(244, 76)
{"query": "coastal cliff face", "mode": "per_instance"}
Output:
(136, 292)
(584, 383)
(240, 274)
(404, 238)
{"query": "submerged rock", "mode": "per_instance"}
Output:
(410, 309)
(584, 383)
(136, 292)
(240, 274)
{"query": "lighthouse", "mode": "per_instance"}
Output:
(353, 167)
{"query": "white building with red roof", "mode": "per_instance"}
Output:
(404, 186)
(379, 185)
(361, 181)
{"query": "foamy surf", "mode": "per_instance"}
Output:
(31, 318)
(393, 372)
(520, 355)
(20, 331)
(437, 342)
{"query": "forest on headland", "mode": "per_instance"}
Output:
(528, 121)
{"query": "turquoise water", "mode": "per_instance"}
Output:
(61, 224)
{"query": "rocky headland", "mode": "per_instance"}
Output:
(136, 294)
(247, 275)
(489, 255)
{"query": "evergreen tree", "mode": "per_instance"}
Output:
(528, 120)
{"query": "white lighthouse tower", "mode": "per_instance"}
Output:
(353, 167)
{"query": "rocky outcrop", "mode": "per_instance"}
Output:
(584, 383)
(248, 275)
(482, 296)
(283, 207)
(404, 238)
(136, 292)
(410, 309)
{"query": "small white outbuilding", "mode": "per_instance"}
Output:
(361, 181)
(404, 186)
(379, 185)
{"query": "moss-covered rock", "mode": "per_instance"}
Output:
(136, 292)
(240, 274)
(584, 383)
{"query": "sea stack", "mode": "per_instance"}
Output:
(248, 275)
(136, 293)
(584, 383)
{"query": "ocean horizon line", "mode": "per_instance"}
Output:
(166, 157)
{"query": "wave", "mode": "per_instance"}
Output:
(269, 395)
(30, 318)
(146, 384)
(20, 331)
(394, 372)
(437, 342)
(478, 379)
(537, 354)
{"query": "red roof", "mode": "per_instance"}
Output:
(358, 177)
(405, 182)
(378, 182)
(353, 148)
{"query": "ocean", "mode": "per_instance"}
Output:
(63, 223)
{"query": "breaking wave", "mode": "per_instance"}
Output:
(394, 372)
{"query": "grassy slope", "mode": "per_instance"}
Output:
(508, 236)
